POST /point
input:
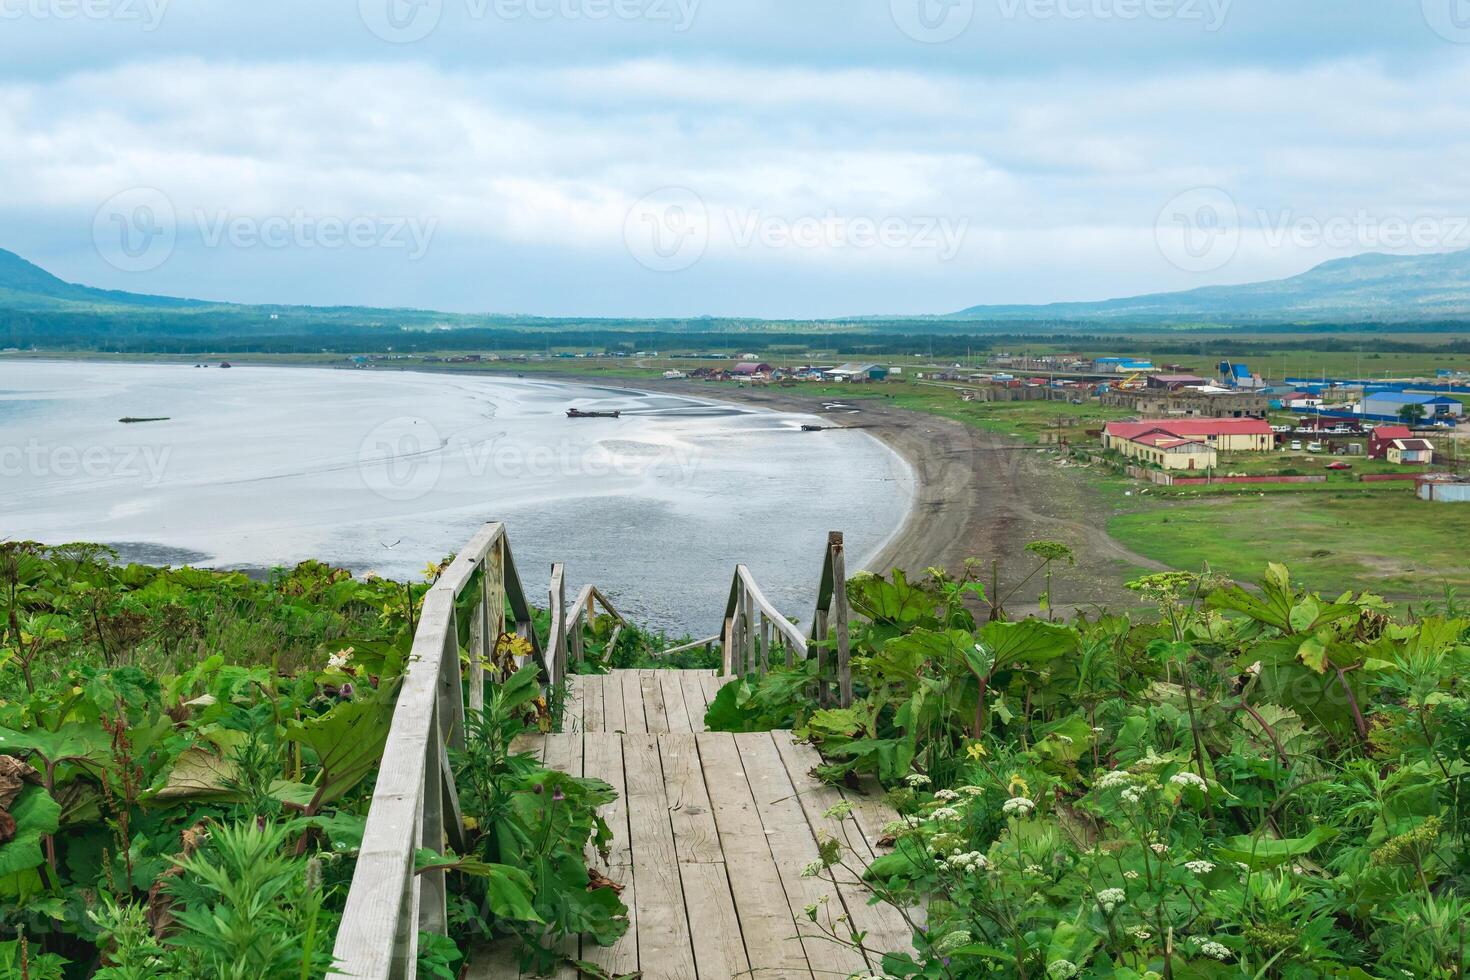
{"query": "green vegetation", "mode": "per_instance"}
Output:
(1261, 783)
(1332, 540)
(185, 763)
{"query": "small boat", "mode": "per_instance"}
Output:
(130, 420)
(224, 364)
(577, 413)
(813, 428)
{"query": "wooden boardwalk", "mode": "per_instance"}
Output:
(711, 833)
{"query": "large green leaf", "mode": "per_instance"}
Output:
(508, 890)
(86, 741)
(896, 602)
(1030, 642)
(1258, 853)
(347, 741)
(36, 814)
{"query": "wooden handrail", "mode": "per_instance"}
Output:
(415, 803)
(581, 614)
(752, 623)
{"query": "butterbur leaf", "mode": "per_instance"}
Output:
(508, 890)
(1260, 853)
(348, 741)
(35, 814)
(1313, 653)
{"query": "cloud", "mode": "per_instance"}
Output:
(825, 190)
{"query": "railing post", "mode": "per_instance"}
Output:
(749, 637)
(556, 669)
(819, 634)
(765, 644)
(839, 609)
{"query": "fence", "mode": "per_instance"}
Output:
(753, 624)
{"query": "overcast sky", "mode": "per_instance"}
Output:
(802, 158)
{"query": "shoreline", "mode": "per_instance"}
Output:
(974, 495)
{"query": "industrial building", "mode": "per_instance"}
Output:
(1391, 404)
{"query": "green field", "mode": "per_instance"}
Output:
(1332, 538)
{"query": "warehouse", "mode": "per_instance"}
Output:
(1224, 435)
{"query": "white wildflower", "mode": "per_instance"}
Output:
(1187, 779)
(340, 659)
(973, 790)
(1110, 898)
(1130, 875)
(1214, 950)
(1113, 779)
(1017, 806)
(1199, 867)
(1141, 934)
(917, 779)
(1159, 849)
(946, 795)
(1132, 795)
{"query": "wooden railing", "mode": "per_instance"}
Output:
(415, 804)
(753, 627)
(569, 624)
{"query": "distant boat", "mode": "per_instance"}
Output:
(224, 364)
(577, 413)
(130, 420)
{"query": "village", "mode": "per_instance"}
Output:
(1173, 427)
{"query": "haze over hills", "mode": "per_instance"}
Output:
(1373, 286)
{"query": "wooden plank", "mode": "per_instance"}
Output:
(712, 685)
(614, 717)
(592, 719)
(719, 951)
(603, 759)
(679, 718)
(572, 708)
(634, 719)
(766, 919)
(655, 712)
(695, 701)
(793, 847)
(664, 948)
(885, 926)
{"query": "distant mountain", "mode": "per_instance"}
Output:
(1373, 286)
(26, 286)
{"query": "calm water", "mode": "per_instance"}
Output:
(381, 471)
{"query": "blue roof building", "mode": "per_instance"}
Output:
(1393, 402)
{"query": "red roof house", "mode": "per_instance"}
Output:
(1229, 435)
(1383, 437)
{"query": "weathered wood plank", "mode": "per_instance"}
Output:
(573, 708)
(885, 926)
(614, 712)
(712, 684)
(655, 712)
(592, 717)
(695, 701)
(765, 914)
(675, 710)
(719, 949)
(603, 759)
(664, 948)
(793, 847)
(690, 814)
(635, 720)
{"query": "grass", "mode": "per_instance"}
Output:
(1380, 537)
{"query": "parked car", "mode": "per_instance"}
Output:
(1314, 447)
(1296, 445)
(1339, 465)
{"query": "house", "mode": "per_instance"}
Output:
(1173, 453)
(1225, 435)
(1416, 452)
(1382, 437)
(1391, 404)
